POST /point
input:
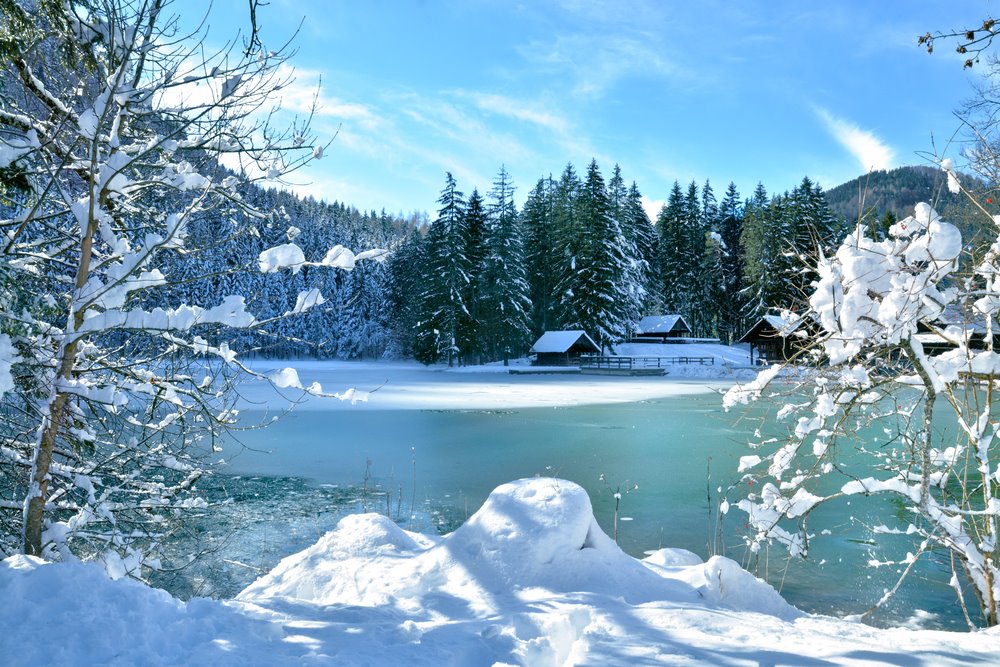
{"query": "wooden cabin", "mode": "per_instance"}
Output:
(945, 332)
(563, 348)
(776, 338)
(660, 328)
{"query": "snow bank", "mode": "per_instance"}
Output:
(73, 614)
(529, 580)
(412, 386)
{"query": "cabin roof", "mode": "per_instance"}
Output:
(661, 324)
(562, 341)
(778, 325)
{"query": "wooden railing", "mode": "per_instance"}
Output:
(628, 363)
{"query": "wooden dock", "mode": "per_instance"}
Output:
(634, 372)
(569, 370)
(606, 365)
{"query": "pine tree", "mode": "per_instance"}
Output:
(709, 207)
(642, 235)
(635, 271)
(673, 259)
(693, 239)
(541, 254)
(403, 297)
(442, 304)
(567, 237)
(760, 241)
(505, 304)
(732, 323)
(471, 332)
(595, 296)
(776, 239)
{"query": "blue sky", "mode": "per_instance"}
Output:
(767, 91)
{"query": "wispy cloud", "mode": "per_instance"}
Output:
(869, 150)
(303, 93)
(520, 110)
(596, 62)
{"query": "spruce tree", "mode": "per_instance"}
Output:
(470, 341)
(673, 261)
(567, 236)
(596, 297)
(442, 304)
(642, 235)
(406, 269)
(732, 323)
(541, 254)
(505, 304)
(635, 270)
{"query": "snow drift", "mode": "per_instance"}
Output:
(530, 579)
(530, 536)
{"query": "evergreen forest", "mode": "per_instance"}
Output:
(482, 278)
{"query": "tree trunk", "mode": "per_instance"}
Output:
(34, 509)
(34, 504)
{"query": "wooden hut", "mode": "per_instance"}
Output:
(776, 338)
(952, 326)
(563, 348)
(660, 328)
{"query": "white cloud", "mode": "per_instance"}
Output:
(870, 151)
(520, 110)
(652, 207)
(596, 62)
(303, 88)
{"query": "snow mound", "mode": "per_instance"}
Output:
(344, 565)
(530, 536)
(73, 614)
(672, 558)
(529, 580)
(721, 582)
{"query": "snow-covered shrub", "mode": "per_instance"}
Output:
(905, 345)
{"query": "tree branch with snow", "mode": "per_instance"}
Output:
(904, 345)
(117, 136)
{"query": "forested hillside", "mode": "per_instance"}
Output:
(353, 318)
(881, 197)
(483, 279)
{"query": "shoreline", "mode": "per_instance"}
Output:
(393, 385)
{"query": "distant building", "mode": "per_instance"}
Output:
(952, 326)
(776, 338)
(660, 328)
(563, 348)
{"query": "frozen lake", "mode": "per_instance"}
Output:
(445, 461)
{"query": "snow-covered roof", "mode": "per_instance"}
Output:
(661, 324)
(783, 325)
(561, 341)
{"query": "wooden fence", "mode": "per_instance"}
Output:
(628, 363)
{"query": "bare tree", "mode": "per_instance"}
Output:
(115, 133)
(905, 343)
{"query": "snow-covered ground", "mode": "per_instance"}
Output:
(530, 579)
(409, 385)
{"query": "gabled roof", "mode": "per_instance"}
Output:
(562, 341)
(775, 325)
(661, 324)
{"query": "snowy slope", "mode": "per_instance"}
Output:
(529, 580)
